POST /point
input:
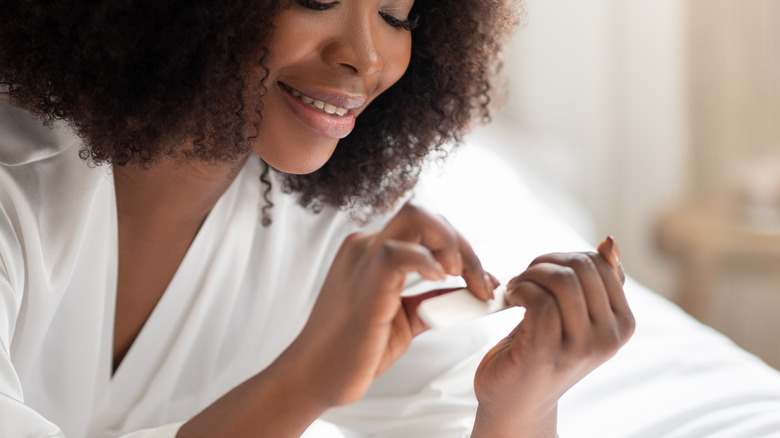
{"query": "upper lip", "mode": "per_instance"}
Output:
(336, 98)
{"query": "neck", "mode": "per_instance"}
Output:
(170, 193)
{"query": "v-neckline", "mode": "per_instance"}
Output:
(165, 301)
(154, 362)
(169, 302)
(180, 266)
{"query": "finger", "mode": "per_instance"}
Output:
(564, 283)
(604, 289)
(542, 320)
(616, 296)
(479, 282)
(592, 284)
(405, 257)
(416, 225)
(611, 253)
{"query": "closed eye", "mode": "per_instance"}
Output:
(408, 24)
(317, 5)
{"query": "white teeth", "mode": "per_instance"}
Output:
(318, 104)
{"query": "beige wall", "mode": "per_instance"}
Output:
(598, 90)
(735, 85)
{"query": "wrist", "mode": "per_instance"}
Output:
(502, 424)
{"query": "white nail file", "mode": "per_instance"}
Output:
(459, 306)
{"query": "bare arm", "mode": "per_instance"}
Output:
(359, 326)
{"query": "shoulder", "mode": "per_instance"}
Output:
(39, 163)
(48, 192)
(24, 139)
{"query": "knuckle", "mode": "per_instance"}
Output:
(356, 242)
(604, 346)
(355, 239)
(564, 275)
(472, 268)
(411, 209)
(543, 302)
(539, 259)
(627, 323)
(452, 235)
(582, 261)
(612, 342)
(386, 251)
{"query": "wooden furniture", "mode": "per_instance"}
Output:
(728, 269)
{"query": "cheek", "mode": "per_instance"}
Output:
(290, 149)
(397, 60)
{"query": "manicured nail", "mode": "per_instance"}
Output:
(610, 251)
(442, 273)
(615, 250)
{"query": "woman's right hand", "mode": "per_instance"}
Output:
(360, 324)
(358, 327)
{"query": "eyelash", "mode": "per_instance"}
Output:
(317, 5)
(408, 24)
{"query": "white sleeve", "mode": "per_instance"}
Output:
(16, 418)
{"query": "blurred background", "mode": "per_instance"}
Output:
(656, 121)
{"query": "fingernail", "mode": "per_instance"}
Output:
(615, 250)
(442, 273)
(609, 250)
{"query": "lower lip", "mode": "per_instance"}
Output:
(326, 125)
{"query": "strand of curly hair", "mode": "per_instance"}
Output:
(136, 79)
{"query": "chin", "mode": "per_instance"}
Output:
(300, 165)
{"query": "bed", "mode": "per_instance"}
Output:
(675, 378)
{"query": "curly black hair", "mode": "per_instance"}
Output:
(138, 78)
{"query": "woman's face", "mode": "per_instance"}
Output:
(328, 61)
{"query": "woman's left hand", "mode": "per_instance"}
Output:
(576, 318)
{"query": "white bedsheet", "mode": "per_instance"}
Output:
(675, 378)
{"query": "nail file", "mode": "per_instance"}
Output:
(459, 306)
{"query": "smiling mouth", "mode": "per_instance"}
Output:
(317, 104)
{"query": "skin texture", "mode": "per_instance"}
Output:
(159, 212)
(137, 84)
(317, 51)
(576, 313)
(576, 318)
(347, 53)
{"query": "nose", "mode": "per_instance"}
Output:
(355, 48)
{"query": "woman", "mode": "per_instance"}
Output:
(147, 281)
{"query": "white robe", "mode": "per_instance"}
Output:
(240, 296)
